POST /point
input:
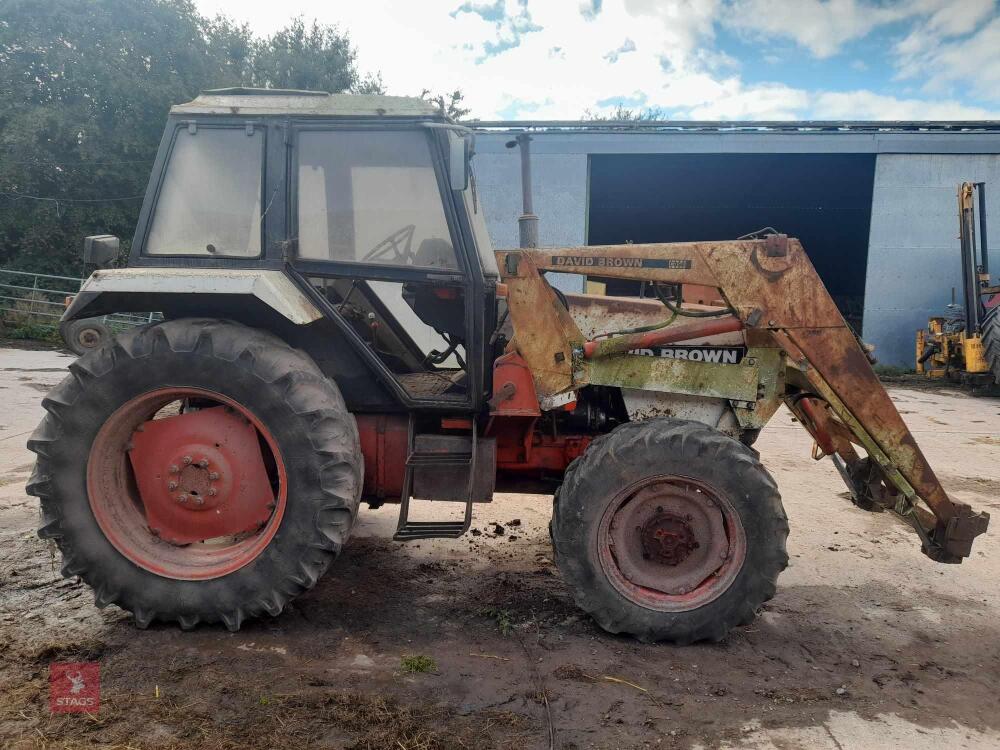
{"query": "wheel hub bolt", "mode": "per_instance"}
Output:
(213, 492)
(199, 501)
(172, 485)
(174, 469)
(203, 463)
(213, 475)
(186, 460)
(181, 498)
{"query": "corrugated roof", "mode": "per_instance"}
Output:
(294, 103)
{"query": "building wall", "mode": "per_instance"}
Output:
(913, 257)
(559, 192)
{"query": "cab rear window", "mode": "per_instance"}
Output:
(209, 201)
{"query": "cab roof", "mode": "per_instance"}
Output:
(296, 103)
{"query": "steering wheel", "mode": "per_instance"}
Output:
(396, 249)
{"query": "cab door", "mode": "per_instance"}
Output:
(378, 235)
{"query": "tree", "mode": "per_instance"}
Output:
(449, 104)
(87, 86)
(307, 57)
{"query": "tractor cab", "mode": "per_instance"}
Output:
(367, 203)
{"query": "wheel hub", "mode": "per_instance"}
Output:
(196, 477)
(213, 481)
(89, 338)
(669, 537)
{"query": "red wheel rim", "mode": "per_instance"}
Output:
(234, 480)
(671, 543)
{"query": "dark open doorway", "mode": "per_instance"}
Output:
(823, 199)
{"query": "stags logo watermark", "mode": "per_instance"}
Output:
(74, 687)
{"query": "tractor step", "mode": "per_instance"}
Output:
(432, 530)
(437, 467)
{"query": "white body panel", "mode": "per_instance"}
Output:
(272, 288)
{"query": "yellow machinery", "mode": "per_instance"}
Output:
(965, 345)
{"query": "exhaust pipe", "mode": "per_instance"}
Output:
(527, 222)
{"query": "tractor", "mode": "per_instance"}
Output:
(337, 329)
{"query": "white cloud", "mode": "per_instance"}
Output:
(939, 62)
(824, 26)
(865, 105)
(821, 26)
(547, 60)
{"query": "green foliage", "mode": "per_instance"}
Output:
(86, 88)
(625, 114)
(503, 618)
(892, 371)
(450, 104)
(30, 332)
(418, 663)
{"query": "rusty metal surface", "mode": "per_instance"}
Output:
(596, 314)
(669, 538)
(667, 335)
(781, 300)
(544, 332)
(735, 382)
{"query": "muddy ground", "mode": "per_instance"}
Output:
(867, 643)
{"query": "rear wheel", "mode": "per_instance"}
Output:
(669, 530)
(197, 471)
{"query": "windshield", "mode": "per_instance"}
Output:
(209, 202)
(371, 197)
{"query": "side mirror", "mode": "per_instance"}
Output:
(100, 249)
(459, 153)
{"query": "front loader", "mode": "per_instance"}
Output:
(337, 329)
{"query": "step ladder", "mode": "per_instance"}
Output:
(407, 530)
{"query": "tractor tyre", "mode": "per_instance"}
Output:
(669, 530)
(196, 471)
(80, 336)
(991, 342)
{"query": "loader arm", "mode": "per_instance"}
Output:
(800, 351)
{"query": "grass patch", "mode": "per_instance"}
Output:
(417, 663)
(891, 371)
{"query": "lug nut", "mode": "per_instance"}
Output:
(174, 469)
(203, 463)
(213, 492)
(181, 498)
(186, 460)
(172, 485)
(213, 475)
(199, 501)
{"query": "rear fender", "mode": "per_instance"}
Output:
(158, 289)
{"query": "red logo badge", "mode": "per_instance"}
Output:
(74, 687)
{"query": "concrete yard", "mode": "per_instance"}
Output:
(867, 644)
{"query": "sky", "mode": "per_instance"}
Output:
(689, 59)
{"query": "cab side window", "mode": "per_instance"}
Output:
(371, 197)
(209, 202)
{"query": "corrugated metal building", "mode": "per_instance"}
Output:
(873, 203)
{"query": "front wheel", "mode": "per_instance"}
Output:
(196, 471)
(669, 530)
